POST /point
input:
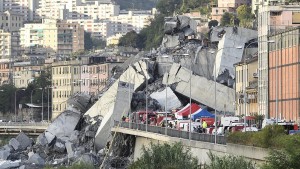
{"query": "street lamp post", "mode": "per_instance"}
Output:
(16, 103)
(42, 104)
(146, 93)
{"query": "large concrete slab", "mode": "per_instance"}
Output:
(203, 90)
(114, 101)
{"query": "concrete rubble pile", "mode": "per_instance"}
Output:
(67, 140)
(171, 65)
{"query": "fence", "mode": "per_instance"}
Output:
(173, 132)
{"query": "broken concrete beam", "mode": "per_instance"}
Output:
(42, 140)
(70, 149)
(74, 136)
(172, 100)
(49, 137)
(24, 140)
(4, 154)
(14, 143)
(106, 106)
(36, 159)
(64, 124)
(9, 164)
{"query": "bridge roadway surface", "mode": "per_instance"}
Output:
(137, 128)
(14, 128)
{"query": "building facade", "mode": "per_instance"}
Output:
(26, 8)
(247, 84)
(227, 6)
(24, 73)
(70, 77)
(52, 37)
(284, 75)
(271, 19)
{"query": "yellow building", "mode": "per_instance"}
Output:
(113, 40)
(70, 77)
(251, 105)
(64, 82)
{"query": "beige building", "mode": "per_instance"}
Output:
(226, 6)
(24, 73)
(250, 84)
(70, 77)
(52, 9)
(132, 20)
(10, 23)
(53, 37)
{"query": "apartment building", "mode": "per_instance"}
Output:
(10, 23)
(26, 8)
(284, 75)
(24, 73)
(52, 9)
(99, 29)
(53, 37)
(131, 20)
(92, 10)
(227, 6)
(249, 67)
(70, 77)
(271, 19)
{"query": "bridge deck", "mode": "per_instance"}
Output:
(162, 131)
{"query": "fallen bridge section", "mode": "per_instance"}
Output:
(115, 101)
(202, 89)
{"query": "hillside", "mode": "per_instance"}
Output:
(136, 4)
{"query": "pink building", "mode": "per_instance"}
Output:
(94, 77)
(226, 6)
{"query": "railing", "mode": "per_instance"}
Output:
(173, 132)
(23, 124)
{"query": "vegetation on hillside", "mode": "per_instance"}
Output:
(92, 43)
(136, 4)
(242, 18)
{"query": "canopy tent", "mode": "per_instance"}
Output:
(186, 110)
(202, 113)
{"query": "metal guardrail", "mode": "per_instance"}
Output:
(172, 132)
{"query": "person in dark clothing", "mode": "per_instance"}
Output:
(123, 118)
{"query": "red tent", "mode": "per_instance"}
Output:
(186, 110)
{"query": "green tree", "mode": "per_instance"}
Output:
(130, 39)
(226, 19)
(229, 162)
(286, 157)
(7, 100)
(167, 7)
(92, 43)
(41, 82)
(165, 156)
(245, 16)
(244, 12)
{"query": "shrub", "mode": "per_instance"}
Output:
(165, 156)
(229, 162)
